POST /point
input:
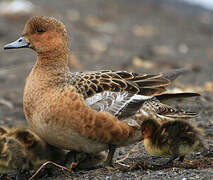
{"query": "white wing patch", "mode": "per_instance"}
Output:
(114, 102)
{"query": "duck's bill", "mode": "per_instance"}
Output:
(19, 43)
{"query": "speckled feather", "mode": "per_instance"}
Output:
(123, 93)
(154, 109)
(90, 83)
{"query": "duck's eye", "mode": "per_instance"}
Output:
(40, 30)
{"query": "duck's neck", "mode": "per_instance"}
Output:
(53, 58)
(56, 61)
(50, 70)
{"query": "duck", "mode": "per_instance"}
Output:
(21, 149)
(87, 111)
(173, 139)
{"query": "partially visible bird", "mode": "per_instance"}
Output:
(21, 149)
(171, 139)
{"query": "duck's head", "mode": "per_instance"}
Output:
(148, 127)
(44, 35)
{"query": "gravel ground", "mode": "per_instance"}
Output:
(138, 35)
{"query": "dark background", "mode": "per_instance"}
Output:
(145, 36)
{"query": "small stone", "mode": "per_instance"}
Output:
(140, 62)
(107, 27)
(183, 48)
(93, 20)
(98, 45)
(144, 31)
(162, 50)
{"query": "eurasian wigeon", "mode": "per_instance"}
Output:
(83, 111)
(171, 139)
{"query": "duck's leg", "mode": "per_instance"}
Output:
(110, 155)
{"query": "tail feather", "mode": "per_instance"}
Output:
(181, 115)
(154, 109)
(173, 113)
(168, 96)
(178, 116)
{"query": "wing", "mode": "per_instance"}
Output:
(91, 83)
(121, 93)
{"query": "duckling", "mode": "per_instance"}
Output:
(20, 148)
(172, 138)
(81, 111)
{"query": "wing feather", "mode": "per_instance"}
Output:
(120, 104)
(91, 83)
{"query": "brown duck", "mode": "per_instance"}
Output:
(83, 111)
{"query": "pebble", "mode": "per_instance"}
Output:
(98, 45)
(144, 31)
(183, 48)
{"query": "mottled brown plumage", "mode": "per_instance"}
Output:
(173, 138)
(90, 83)
(81, 111)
